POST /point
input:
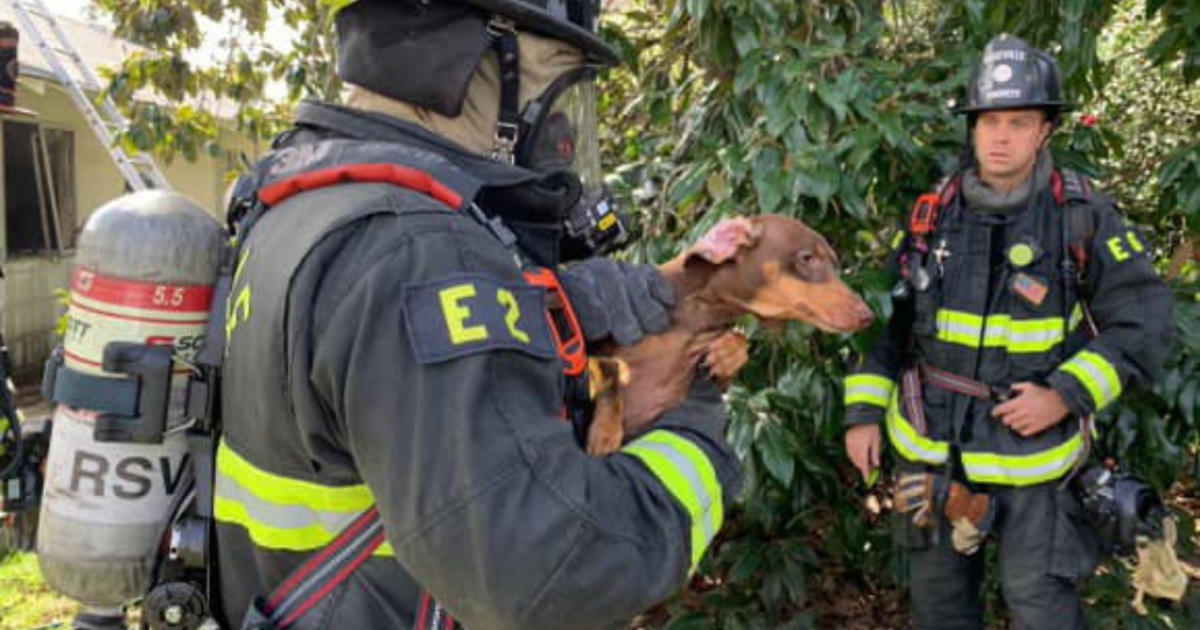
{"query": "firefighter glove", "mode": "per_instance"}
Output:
(914, 493)
(617, 299)
(971, 517)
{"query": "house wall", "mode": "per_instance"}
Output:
(28, 304)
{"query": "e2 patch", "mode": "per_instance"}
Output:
(470, 313)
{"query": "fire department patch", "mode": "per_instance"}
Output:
(470, 313)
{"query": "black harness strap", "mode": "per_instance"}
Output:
(309, 583)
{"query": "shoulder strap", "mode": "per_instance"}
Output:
(318, 576)
(1073, 194)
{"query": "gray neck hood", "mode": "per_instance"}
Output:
(981, 198)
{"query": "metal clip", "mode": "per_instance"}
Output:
(1001, 394)
(505, 142)
(500, 25)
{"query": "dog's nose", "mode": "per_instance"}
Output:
(864, 315)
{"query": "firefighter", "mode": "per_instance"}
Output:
(389, 347)
(1025, 305)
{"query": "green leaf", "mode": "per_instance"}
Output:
(746, 76)
(768, 174)
(866, 143)
(745, 38)
(1188, 401)
(691, 621)
(749, 563)
(818, 179)
(776, 454)
(834, 98)
(684, 191)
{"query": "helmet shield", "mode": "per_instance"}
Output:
(561, 135)
(561, 129)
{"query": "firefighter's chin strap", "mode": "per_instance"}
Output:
(508, 56)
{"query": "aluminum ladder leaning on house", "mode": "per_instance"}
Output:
(139, 169)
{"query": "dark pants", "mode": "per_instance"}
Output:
(1045, 551)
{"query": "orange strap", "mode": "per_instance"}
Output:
(568, 335)
(401, 176)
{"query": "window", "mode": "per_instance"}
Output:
(39, 189)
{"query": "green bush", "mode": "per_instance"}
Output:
(835, 112)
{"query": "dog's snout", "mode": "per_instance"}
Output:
(856, 315)
(864, 315)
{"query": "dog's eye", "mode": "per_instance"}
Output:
(806, 259)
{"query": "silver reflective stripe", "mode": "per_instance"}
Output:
(1046, 337)
(957, 328)
(1098, 381)
(281, 516)
(1023, 469)
(685, 467)
(868, 389)
(977, 471)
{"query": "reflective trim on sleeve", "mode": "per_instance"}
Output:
(1096, 374)
(1023, 470)
(281, 513)
(688, 475)
(868, 389)
(912, 445)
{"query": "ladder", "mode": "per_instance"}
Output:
(139, 169)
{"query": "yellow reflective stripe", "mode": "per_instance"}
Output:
(1097, 375)
(912, 445)
(1076, 317)
(868, 389)
(1023, 470)
(279, 512)
(287, 491)
(959, 327)
(1017, 336)
(689, 476)
(1033, 335)
(308, 538)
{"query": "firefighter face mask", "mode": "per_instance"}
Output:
(556, 124)
(560, 135)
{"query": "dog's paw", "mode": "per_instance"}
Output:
(726, 356)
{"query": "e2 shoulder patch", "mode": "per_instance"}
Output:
(470, 313)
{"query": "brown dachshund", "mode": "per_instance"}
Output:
(772, 267)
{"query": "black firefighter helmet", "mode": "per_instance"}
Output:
(1121, 507)
(1014, 75)
(424, 52)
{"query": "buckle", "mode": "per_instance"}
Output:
(500, 25)
(505, 142)
(568, 335)
(1000, 394)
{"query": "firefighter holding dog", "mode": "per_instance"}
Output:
(398, 353)
(1026, 305)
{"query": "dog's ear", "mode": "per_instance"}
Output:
(723, 242)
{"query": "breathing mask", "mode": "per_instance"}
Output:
(560, 135)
